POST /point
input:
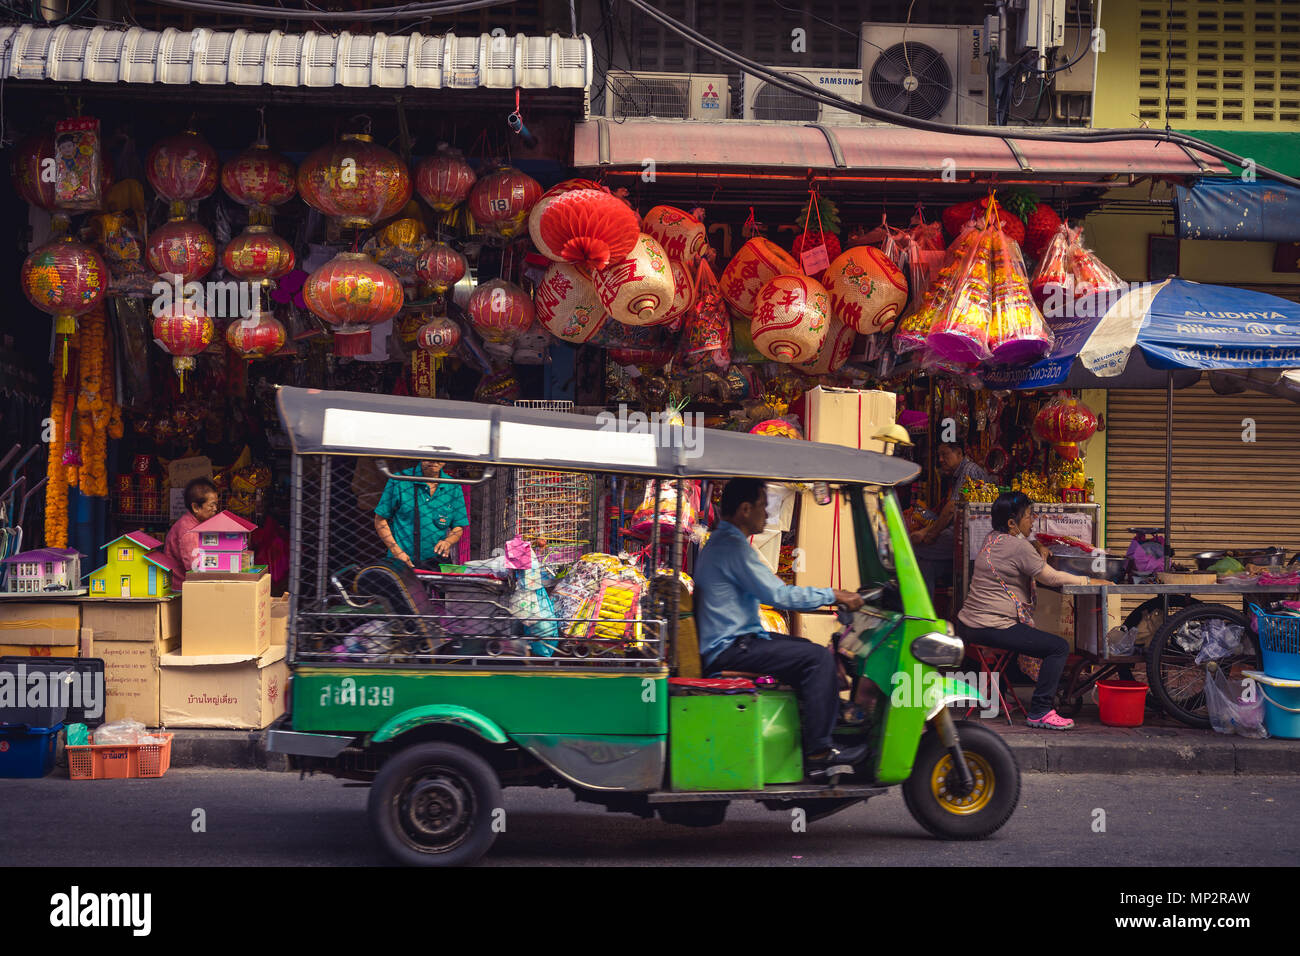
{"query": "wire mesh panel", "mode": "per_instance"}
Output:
(554, 506)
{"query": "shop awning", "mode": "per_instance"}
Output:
(734, 147)
(1232, 209)
(1153, 329)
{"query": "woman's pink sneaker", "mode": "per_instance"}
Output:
(1051, 721)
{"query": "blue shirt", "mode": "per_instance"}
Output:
(731, 581)
(439, 511)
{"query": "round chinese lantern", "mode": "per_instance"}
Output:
(589, 228)
(258, 337)
(534, 216)
(750, 268)
(258, 255)
(567, 304)
(867, 290)
(352, 292)
(1065, 422)
(439, 336)
(355, 181)
(259, 177)
(792, 316)
(182, 248)
(440, 267)
(776, 428)
(65, 278)
(183, 168)
(29, 157)
(444, 179)
(639, 289)
(184, 332)
(681, 234)
(500, 310)
(835, 351)
(501, 201)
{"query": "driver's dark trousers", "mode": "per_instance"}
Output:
(807, 667)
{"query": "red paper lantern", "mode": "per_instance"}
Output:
(589, 228)
(567, 304)
(182, 248)
(440, 267)
(258, 255)
(65, 278)
(183, 332)
(1065, 422)
(352, 292)
(439, 336)
(500, 310)
(183, 168)
(444, 179)
(259, 176)
(256, 339)
(500, 202)
(29, 157)
(355, 181)
(534, 216)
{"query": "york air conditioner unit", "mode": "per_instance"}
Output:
(766, 101)
(696, 96)
(926, 72)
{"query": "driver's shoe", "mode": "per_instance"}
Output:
(836, 757)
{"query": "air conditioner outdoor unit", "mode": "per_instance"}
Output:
(927, 72)
(765, 100)
(696, 96)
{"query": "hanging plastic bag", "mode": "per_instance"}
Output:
(119, 732)
(1051, 284)
(961, 332)
(707, 342)
(1234, 710)
(78, 164)
(912, 331)
(1018, 333)
(1096, 285)
(665, 510)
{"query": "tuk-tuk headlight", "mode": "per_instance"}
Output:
(941, 650)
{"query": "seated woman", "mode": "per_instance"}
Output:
(998, 610)
(419, 522)
(182, 543)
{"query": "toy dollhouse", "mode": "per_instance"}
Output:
(136, 568)
(223, 543)
(48, 569)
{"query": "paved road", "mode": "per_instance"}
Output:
(255, 818)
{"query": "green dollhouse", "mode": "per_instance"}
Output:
(136, 568)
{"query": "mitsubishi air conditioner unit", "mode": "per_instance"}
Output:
(927, 72)
(765, 100)
(696, 96)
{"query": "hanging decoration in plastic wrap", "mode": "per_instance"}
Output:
(588, 228)
(682, 235)
(1018, 333)
(500, 311)
(183, 332)
(639, 289)
(182, 248)
(351, 292)
(707, 344)
(868, 292)
(567, 304)
(81, 178)
(65, 278)
(791, 319)
(398, 248)
(1064, 422)
(183, 169)
(776, 428)
(355, 181)
(444, 179)
(757, 261)
(501, 201)
(663, 510)
(440, 267)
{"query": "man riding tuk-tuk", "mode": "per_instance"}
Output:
(542, 661)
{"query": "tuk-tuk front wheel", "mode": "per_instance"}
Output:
(433, 805)
(936, 799)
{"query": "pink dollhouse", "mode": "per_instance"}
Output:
(223, 543)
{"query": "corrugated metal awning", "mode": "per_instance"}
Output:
(310, 59)
(869, 149)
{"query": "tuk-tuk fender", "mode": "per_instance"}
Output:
(408, 720)
(952, 691)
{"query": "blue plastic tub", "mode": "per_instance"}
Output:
(1281, 704)
(1279, 643)
(27, 751)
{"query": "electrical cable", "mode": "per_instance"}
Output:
(900, 119)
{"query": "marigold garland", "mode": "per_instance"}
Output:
(56, 487)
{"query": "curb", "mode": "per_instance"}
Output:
(224, 750)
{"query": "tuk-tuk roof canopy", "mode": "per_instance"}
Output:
(353, 423)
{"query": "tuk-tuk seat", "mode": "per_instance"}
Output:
(762, 680)
(688, 686)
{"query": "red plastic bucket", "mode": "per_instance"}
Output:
(1121, 702)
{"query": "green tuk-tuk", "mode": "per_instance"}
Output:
(440, 688)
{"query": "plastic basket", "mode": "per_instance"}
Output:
(27, 752)
(119, 761)
(1279, 643)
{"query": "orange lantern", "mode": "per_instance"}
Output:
(182, 248)
(535, 215)
(567, 304)
(444, 179)
(792, 316)
(750, 268)
(260, 337)
(183, 332)
(639, 289)
(29, 157)
(835, 351)
(183, 168)
(259, 177)
(355, 181)
(589, 228)
(65, 278)
(501, 201)
(352, 292)
(500, 310)
(1065, 422)
(867, 290)
(681, 234)
(440, 267)
(258, 255)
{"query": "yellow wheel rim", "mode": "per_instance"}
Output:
(944, 776)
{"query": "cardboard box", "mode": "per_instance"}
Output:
(150, 620)
(226, 614)
(1057, 614)
(280, 620)
(836, 416)
(131, 679)
(50, 623)
(224, 691)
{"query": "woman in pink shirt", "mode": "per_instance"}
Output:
(182, 544)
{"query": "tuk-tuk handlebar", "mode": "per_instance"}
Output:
(382, 465)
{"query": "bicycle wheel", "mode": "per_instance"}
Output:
(1177, 681)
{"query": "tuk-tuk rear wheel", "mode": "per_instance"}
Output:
(433, 804)
(935, 801)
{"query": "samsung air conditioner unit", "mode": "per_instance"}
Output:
(695, 96)
(926, 72)
(764, 100)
